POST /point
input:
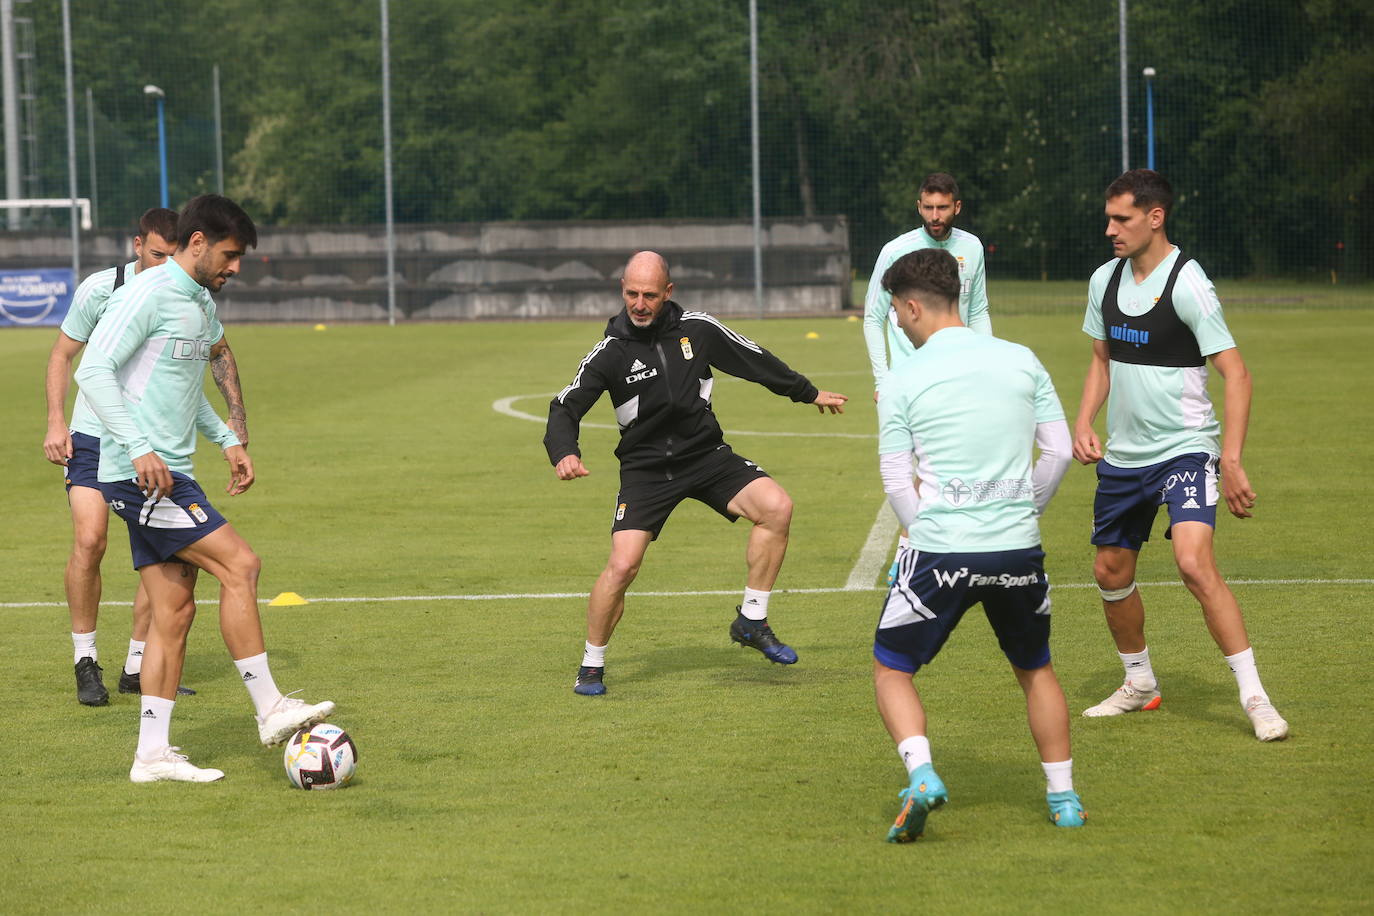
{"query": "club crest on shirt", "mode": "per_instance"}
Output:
(686, 344)
(962, 265)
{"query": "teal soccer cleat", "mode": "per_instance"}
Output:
(1065, 809)
(924, 795)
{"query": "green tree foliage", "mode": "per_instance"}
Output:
(577, 109)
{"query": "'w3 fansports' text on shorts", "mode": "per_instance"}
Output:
(933, 590)
(159, 527)
(1128, 498)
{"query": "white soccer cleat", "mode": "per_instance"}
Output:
(1127, 698)
(289, 716)
(169, 766)
(1269, 725)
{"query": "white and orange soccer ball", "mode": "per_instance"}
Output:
(320, 757)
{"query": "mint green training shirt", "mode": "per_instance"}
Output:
(967, 406)
(1158, 412)
(88, 305)
(880, 325)
(144, 370)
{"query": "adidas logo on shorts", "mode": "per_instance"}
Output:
(1191, 504)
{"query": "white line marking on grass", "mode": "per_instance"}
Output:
(874, 553)
(537, 596)
(504, 406)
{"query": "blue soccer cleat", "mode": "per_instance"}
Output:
(1065, 809)
(924, 795)
(892, 572)
(589, 683)
(757, 634)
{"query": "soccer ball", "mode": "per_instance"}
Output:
(320, 757)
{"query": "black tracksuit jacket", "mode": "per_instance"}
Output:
(659, 379)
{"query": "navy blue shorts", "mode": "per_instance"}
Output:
(933, 590)
(84, 462)
(714, 480)
(158, 528)
(1128, 498)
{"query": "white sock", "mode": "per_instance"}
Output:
(83, 646)
(133, 664)
(1247, 677)
(257, 677)
(914, 751)
(1138, 670)
(154, 726)
(1058, 775)
(593, 656)
(755, 604)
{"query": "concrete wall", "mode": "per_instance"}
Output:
(501, 270)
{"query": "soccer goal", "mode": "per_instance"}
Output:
(10, 205)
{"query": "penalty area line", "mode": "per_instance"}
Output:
(561, 596)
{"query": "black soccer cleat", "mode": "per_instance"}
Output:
(757, 634)
(588, 682)
(132, 683)
(90, 689)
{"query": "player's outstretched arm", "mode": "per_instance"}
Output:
(829, 400)
(225, 372)
(57, 443)
(570, 467)
(1235, 484)
(1087, 448)
(241, 474)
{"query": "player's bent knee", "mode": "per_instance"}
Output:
(88, 547)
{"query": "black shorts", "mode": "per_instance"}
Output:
(714, 480)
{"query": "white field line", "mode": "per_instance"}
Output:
(874, 554)
(505, 406)
(542, 596)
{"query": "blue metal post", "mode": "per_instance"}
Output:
(162, 149)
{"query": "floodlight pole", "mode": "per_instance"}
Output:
(754, 145)
(90, 148)
(219, 135)
(161, 138)
(71, 138)
(1125, 108)
(386, 168)
(1150, 117)
(10, 91)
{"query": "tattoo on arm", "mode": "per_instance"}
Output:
(226, 375)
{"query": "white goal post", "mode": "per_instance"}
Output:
(53, 203)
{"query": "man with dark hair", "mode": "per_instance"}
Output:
(656, 361)
(972, 521)
(939, 205)
(76, 447)
(1155, 320)
(164, 323)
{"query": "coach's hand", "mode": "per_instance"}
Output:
(153, 477)
(1235, 486)
(570, 468)
(240, 469)
(1086, 446)
(829, 400)
(57, 445)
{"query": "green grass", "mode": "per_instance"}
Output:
(705, 780)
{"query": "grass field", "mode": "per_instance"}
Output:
(706, 780)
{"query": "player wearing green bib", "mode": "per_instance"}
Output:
(939, 205)
(76, 448)
(1155, 321)
(143, 375)
(968, 408)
